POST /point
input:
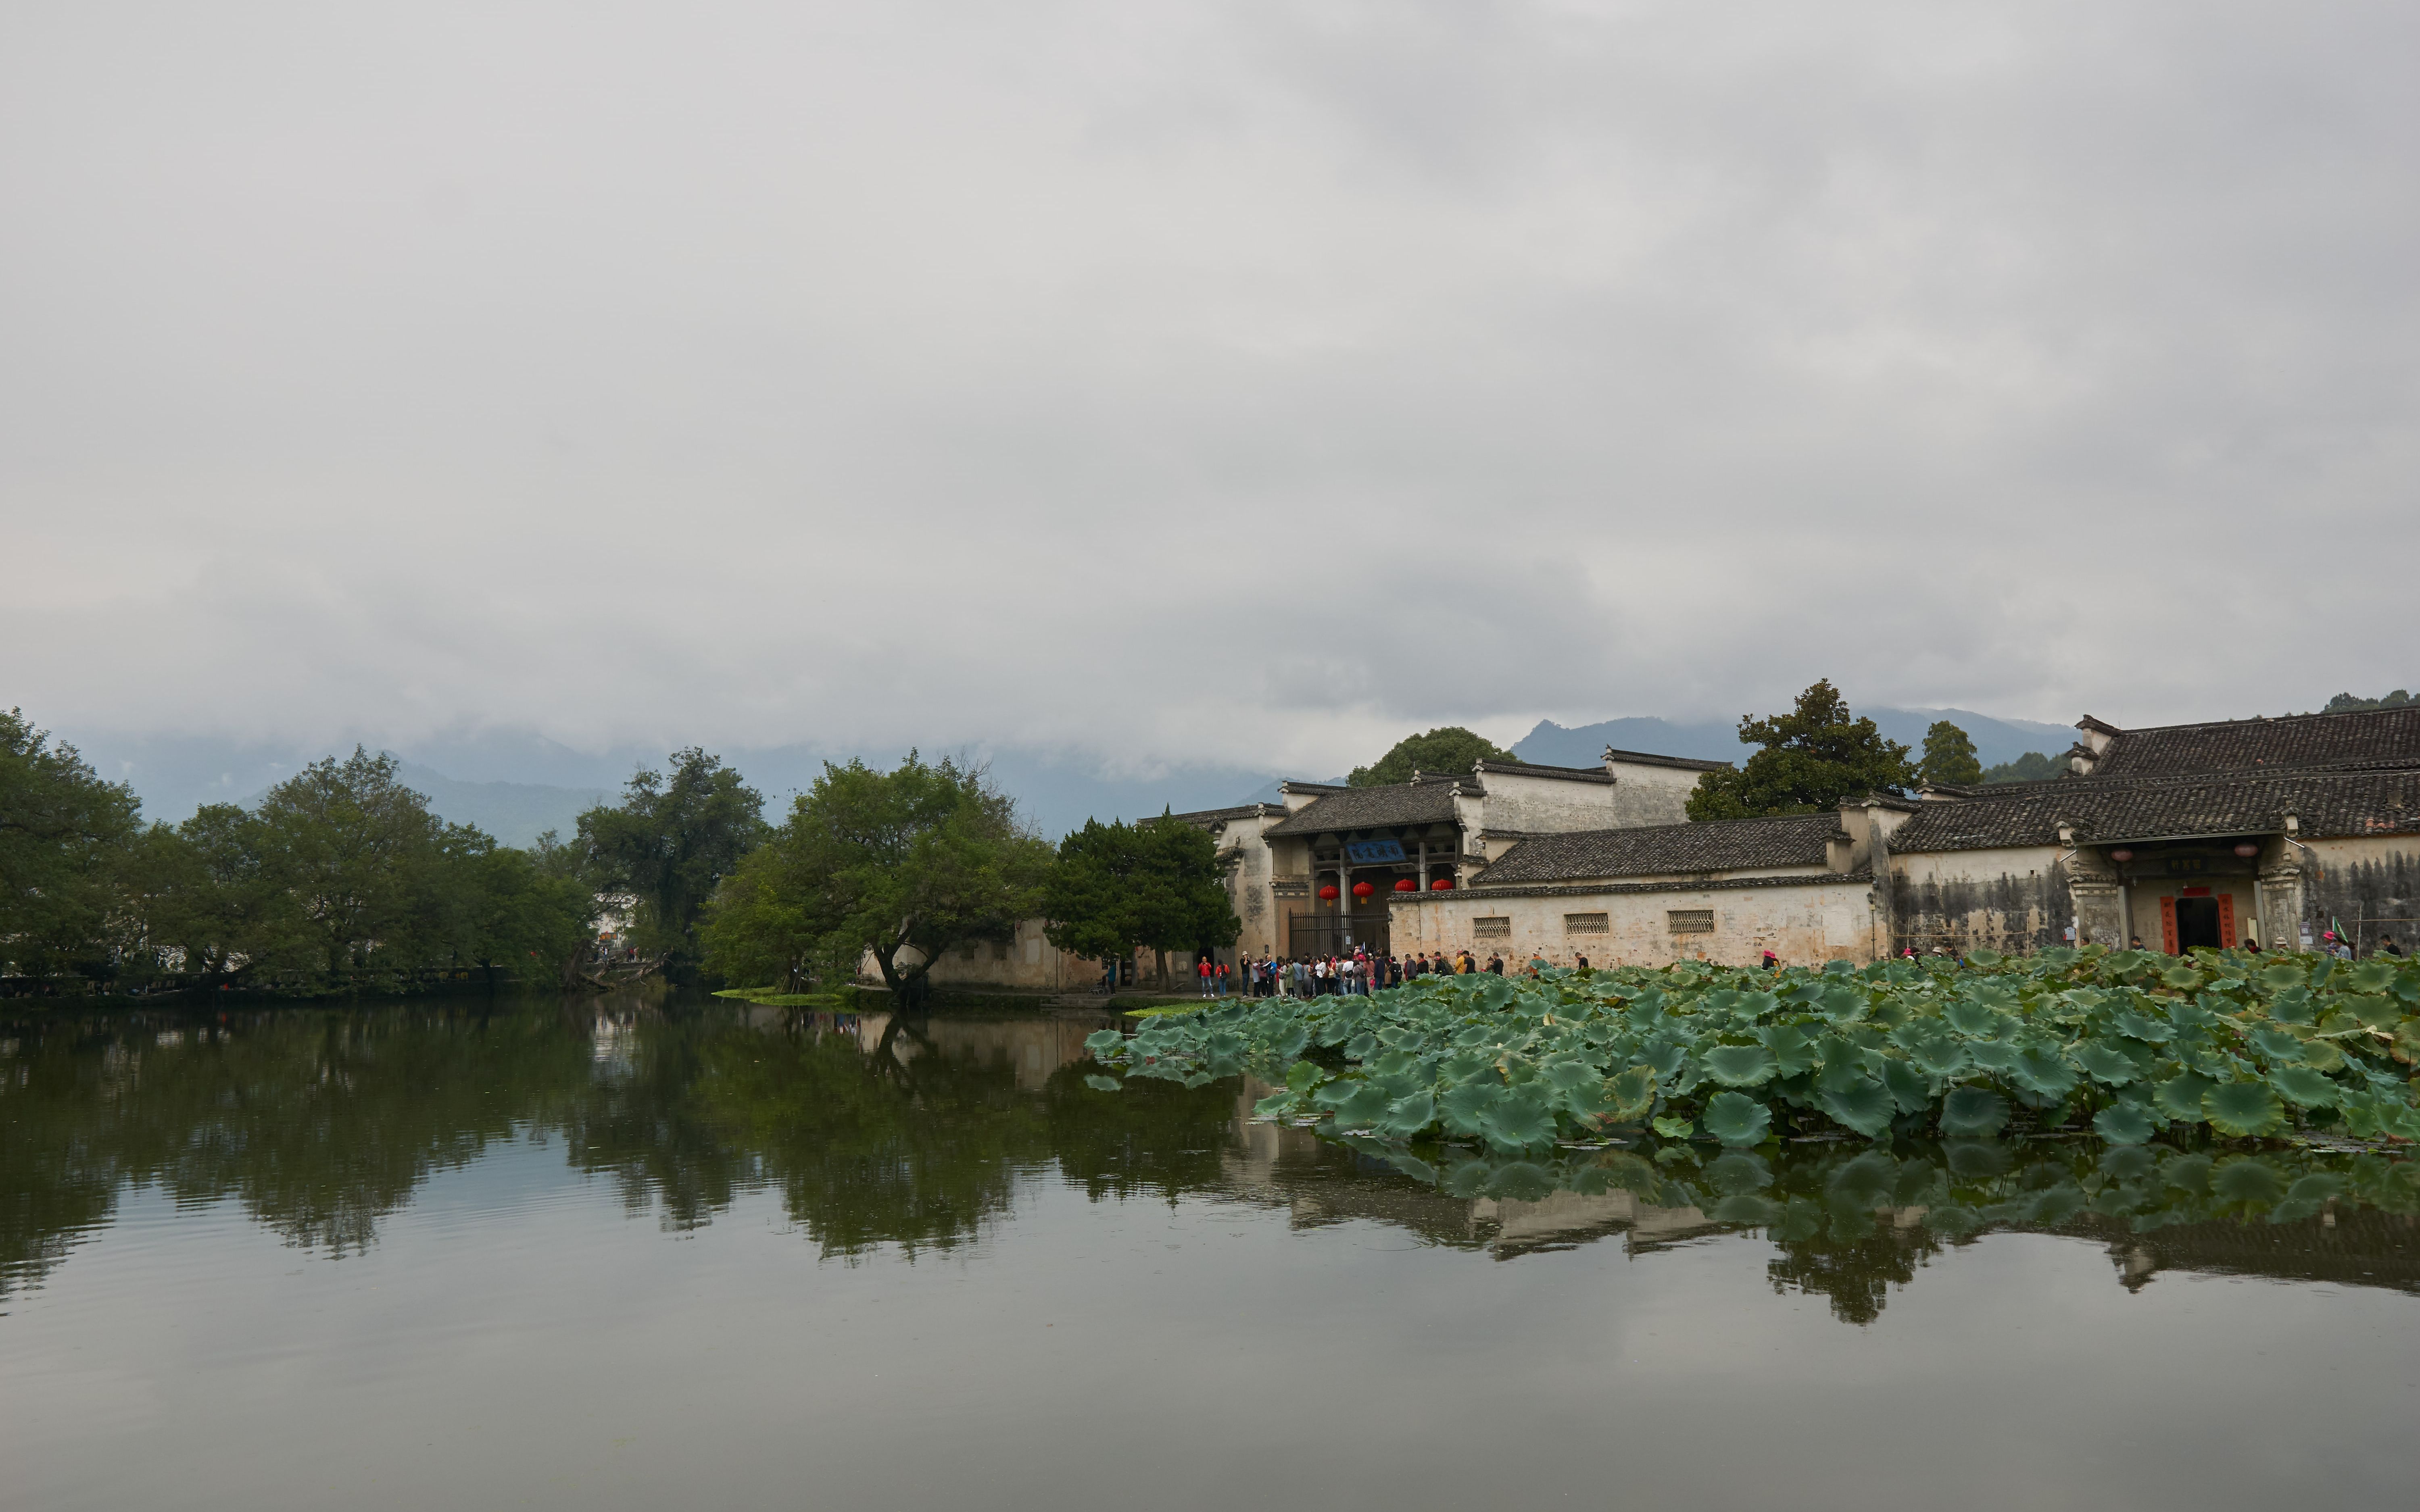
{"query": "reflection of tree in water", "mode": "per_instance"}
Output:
(320, 1124)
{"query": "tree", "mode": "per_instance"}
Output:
(893, 865)
(2348, 703)
(1949, 757)
(1119, 887)
(353, 856)
(1450, 748)
(671, 842)
(2033, 766)
(1812, 757)
(63, 834)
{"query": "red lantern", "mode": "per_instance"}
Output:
(1442, 884)
(1328, 893)
(1362, 892)
(1407, 885)
(2247, 849)
(2121, 856)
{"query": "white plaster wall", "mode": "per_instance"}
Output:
(1804, 925)
(1542, 805)
(1645, 795)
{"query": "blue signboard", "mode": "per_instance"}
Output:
(1373, 851)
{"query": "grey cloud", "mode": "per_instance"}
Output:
(1197, 383)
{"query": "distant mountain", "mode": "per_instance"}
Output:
(515, 812)
(1995, 740)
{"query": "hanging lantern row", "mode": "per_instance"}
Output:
(1407, 885)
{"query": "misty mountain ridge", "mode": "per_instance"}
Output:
(518, 784)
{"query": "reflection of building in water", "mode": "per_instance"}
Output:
(1033, 1048)
(2357, 1248)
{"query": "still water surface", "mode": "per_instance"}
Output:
(619, 1255)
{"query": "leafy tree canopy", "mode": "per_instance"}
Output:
(2346, 703)
(1949, 756)
(1120, 888)
(1452, 748)
(670, 841)
(62, 832)
(2033, 766)
(1812, 757)
(897, 865)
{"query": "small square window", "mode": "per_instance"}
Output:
(1491, 928)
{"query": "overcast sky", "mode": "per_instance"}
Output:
(1242, 382)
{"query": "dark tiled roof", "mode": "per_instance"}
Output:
(1426, 802)
(1480, 891)
(1686, 764)
(2101, 809)
(2362, 737)
(1208, 817)
(1568, 773)
(1724, 845)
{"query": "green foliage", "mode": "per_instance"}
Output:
(2063, 1040)
(2033, 766)
(2346, 703)
(898, 865)
(671, 842)
(1811, 758)
(1449, 749)
(1115, 888)
(1949, 756)
(63, 837)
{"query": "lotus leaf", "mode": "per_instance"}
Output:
(1363, 1105)
(1102, 1041)
(1842, 1005)
(1464, 1108)
(2142, 1027)
(2128, 1162)
(1678, 1128)
(1631, 1093)
(1735, 1119)
(1519, 1121)
(2370, 977)
(1408, 1115)
(1462, 1065)
(1110, 1084)
(1361, 1047)
(2056, 1205)
(2276, 1044)
(1394, 1063)
(1992, 1055)
(2242, 1109)
(2293, 1006)
(1910, 1089)
(2302, 1087)
(1792, 1047)
(2108, 1067)
(2337, 1025)
(1939, 1056)
(2123, 1123)
(1975, 1019)
(2374, 1012)
(1739, 1065)
(2183, 978)
(2043, 1072)
(1565, 1076)
(1973, 1111)
(1867, 1107)
(2322, 1057)
(2181, 1097)
(1985, 957)
(2246, 1179)
(2279, 976)
(1494, 993)
(1663, 1056)
(1275, 1105)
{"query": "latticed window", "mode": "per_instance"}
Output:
(1691, 920)
(1587, 924)
(1485, 928)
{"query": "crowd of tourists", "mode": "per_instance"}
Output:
(1340, 975)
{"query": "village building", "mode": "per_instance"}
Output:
(2276, 829)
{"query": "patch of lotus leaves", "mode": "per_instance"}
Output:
(2123, 1123)
(2142, 1027)
(2111, 1068)
(1939, 1056)
(2374, 1012)
(1739, 1065)
(1520, 1119)
(1682, 1128)
(1992, 1055)
(2180, 1096)
(2183, 978)
(1909, 1088)
(1631, 1093)
(1842, 1005)
(1408, 1115)
(1972, 1112)
(1464, 1109)
(1864, 1106)
(2127, 1163)
(1735, 1119)
(2276, 1045)
(2303, 1087)
(1979, 1020)
(2043, 1072)
(2244, 1110)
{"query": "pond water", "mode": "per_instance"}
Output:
(618, 1255)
